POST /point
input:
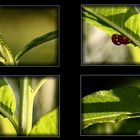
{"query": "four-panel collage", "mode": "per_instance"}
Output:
(29, 104)
(110, 102)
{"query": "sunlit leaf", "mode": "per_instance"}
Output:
(47, 125)
(115, 20)
(7, 99)
(7, 127)
(111, 106)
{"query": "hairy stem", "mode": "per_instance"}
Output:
(42, 81)
(26, 106)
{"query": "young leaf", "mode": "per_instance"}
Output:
(7, 99)
(2, 60)
(111, 105)
(37, 41)
(5, 51)
(14, 83)
(47, 125)
(115, 20)
(7, 103)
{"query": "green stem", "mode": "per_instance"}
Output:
(23, 105)
(42, 81)
(26, 106)
(30, 99)
(113, 25)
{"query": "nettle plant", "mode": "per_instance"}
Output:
(47, 124)
(122, 23)
(22, 121)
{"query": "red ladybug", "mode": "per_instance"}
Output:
(120, 39)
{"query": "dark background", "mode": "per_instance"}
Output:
(93, 83)
(70, 68)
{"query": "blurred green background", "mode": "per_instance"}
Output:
(20, 25)
(98, 48)
(45, 100)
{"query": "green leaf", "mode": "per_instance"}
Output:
(2, 60)
(14, 83)
(47, 125)
(5, 51)
(37, 41)
(7, 127)
(111, 106)
(7, 99)
(115, 20)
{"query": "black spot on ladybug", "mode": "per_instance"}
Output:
(120, 39)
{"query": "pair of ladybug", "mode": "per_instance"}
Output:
(120, 39)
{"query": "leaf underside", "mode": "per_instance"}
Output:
(125, 18)
(110, 106)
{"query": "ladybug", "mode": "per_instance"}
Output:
(120, 39)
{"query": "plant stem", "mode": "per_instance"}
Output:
(26, 106)
(30, 99)
(42, 81)
(23, 104)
